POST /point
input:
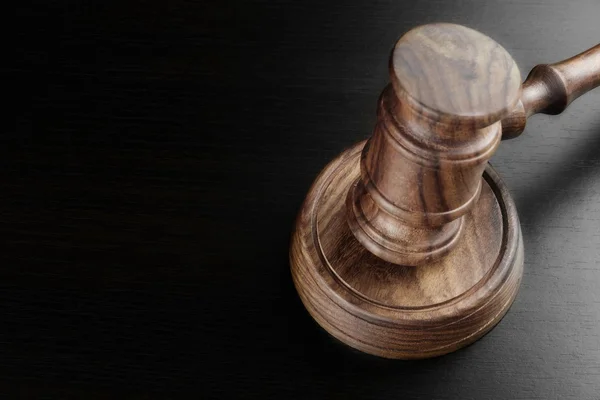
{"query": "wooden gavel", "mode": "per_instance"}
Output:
(438, 126)
(409, 245)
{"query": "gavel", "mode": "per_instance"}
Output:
(408, 245)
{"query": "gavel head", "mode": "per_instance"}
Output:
(409, 245)
(438, 124)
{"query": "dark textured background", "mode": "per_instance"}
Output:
(154, 159)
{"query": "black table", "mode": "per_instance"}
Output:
(155, 158)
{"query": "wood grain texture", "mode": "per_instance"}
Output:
(549, 89)
(449, 71)
(399, 311)
(437, 127)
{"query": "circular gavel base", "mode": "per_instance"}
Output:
(399, 311)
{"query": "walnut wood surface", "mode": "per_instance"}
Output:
(456, 74)
(400, 311)
(437, 127)
(549, 89)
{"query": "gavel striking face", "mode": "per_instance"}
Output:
(409, 245)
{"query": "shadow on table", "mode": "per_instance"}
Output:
(564, 174)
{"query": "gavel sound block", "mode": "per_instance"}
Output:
(409, 245)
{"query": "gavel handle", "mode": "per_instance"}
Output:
(550, 88)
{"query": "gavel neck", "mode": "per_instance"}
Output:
(549, 89)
